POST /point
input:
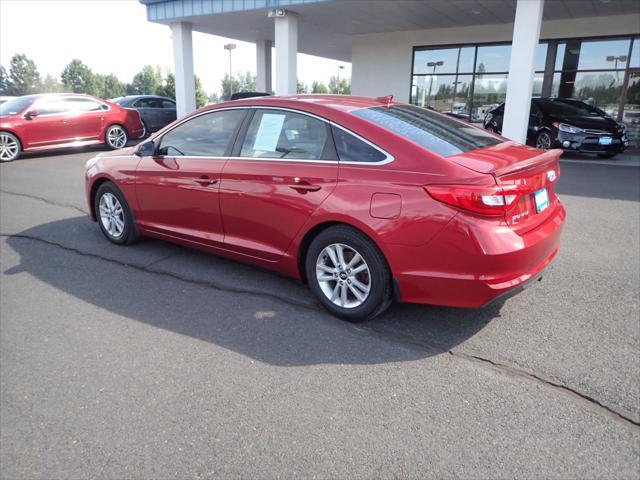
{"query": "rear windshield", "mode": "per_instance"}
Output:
(441, 134)
(15, 106)
(568, 108)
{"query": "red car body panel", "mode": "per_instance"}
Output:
(68, 129)
(438, 254)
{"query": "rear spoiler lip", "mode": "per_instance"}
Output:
(546, 157)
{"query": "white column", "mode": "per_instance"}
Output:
(263, 66)
(183, 61)
(286, 30)
(526, 35)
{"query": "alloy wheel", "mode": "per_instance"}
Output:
(543, 141)
(111, 215)
(116, 137)
(9, 148)
(343, 275)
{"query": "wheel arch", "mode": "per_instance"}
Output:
(317, 228)
(94, 189)
(15, 134)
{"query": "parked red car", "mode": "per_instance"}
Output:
(365, 199)
(44, 122)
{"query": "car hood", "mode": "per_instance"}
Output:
(119, 153)
(594, 123)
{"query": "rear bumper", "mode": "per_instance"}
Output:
(473, 262)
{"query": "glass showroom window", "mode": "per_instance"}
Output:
(468, 80)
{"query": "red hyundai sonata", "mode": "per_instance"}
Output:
(44, 122)
(365, 199)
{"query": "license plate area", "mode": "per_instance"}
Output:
(541, 198)
(605, 140)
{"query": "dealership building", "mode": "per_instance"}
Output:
(462, 56)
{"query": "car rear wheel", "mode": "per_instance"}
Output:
(9, 147)
(114, 215)
(348, 274)
(543, 140)
(116, 137)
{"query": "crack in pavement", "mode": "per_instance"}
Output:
(45, 200)
(384, 334)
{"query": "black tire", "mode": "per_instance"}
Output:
(110, 137)
(129, 233)
(607, 155)
(147, 132)
(379, 276)
(10, 147)
(544, 140)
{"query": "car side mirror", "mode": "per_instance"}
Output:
(146, 149)
(31, 114)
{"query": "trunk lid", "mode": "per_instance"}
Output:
(528, 170)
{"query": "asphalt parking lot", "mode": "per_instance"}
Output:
(153, 361)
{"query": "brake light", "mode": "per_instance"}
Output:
(489, 200)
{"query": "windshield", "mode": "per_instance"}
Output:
(15, 106)
(441, 134)
(569, 108)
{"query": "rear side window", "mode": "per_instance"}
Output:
(441, 134)
(83, 105)
(352, 149)
(286, 135)
(168, 104)
(206, 135)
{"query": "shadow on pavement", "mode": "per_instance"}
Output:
(599, 181)
(244, 313)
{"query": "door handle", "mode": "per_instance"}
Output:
(303, 186)
(205, 181)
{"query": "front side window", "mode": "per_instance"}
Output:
(15, 106)
(352, 149)
(206, 135)
(441, 134)
(55, 106)
(281, 134)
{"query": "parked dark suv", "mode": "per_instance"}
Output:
(568, 124)
(156, 112)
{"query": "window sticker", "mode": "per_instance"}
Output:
(269, 132)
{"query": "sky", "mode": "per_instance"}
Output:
(114, 36)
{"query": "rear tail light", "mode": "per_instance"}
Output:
(489, 200)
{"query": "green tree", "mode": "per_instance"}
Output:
(318, 87)
(50, 84)
(302, 87)
(146, 82)
(168, 89)
(201, 96)
(244, 82)
(23, 76)
(78, 78)
(4, 80)
(111, 87)
(343, 86)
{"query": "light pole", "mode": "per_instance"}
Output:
(616, 59)
(439, 63)
(230, 46)
(340, 67)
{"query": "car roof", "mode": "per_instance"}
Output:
(343, 103)
(136, 97)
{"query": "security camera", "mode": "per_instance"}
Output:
(277, 12)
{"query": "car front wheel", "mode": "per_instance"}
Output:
(116, 137)
(543, 140)
(114, 215)
(9, 147)
(348, 274)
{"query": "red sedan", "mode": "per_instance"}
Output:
(44, 122)
(365, 199)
